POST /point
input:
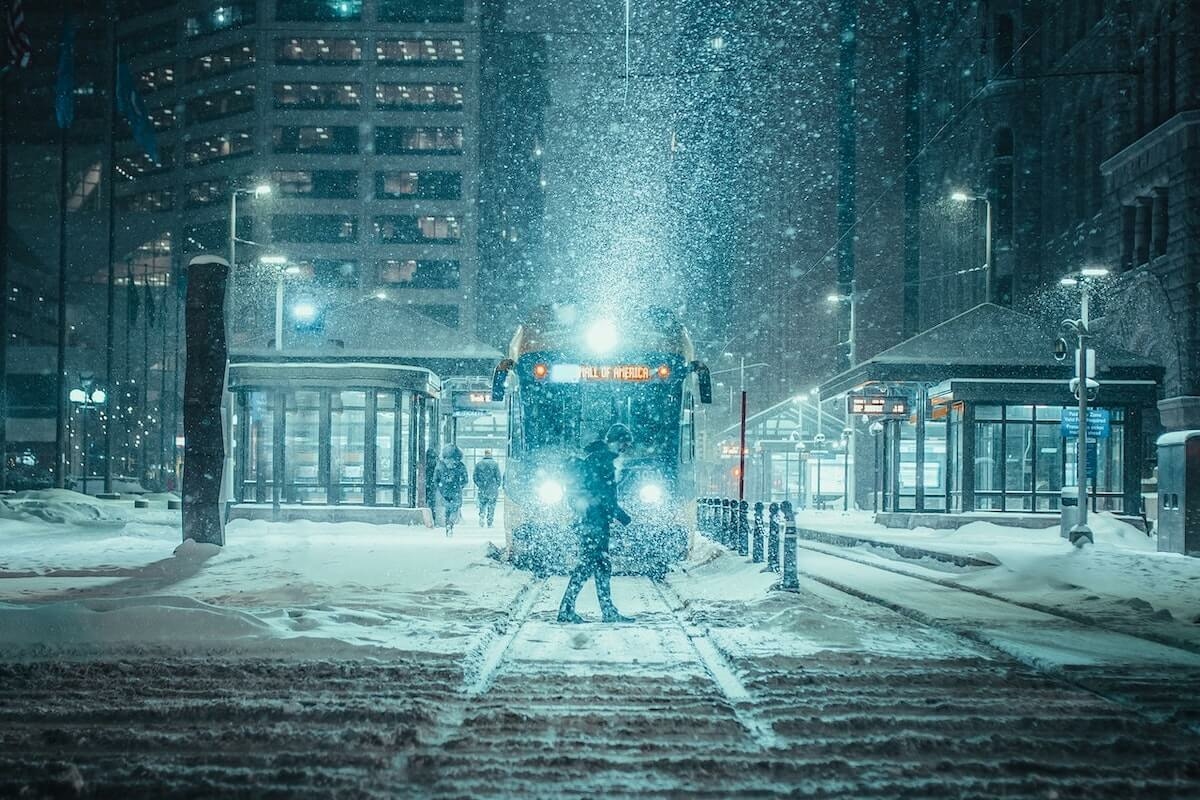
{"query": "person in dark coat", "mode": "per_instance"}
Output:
(451, 477)
(431, 462)
(597, 505)
(487, 486)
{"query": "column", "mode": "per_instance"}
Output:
(1160, 222)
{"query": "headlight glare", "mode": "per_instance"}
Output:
(550, 492)
(650, 493)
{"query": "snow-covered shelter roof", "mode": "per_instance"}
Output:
(987, 341)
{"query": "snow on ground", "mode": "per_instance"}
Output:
(103, 576)
(1120, 578)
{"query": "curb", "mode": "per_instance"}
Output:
(902, 550)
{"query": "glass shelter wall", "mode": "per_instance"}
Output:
(326, 446)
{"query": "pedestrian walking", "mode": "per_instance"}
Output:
(595, 500)
(487, 487)
(450, 477)
(431, 462)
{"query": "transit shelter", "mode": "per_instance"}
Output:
(992, 422)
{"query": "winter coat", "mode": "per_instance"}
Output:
(487, 477)
(595, 488)
(450, 477)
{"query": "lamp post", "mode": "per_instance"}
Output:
(968, 197)
(1080, 533)
(876, 430)
(285, 269)
(846, 435)
(87, 396)
(261, 190)
(741, 370)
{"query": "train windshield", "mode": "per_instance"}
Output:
(573, 414)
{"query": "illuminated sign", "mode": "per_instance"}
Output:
(472, 403)
(614, 372)
(885, 406)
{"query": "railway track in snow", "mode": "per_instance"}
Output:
(1138, 670)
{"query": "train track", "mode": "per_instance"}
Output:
(1141, 685)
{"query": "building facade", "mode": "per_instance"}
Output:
(361, 116)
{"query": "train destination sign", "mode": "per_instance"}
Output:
(885, 406)
(614, 372)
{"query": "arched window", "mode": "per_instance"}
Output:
(1096, 157)
(1002, 46)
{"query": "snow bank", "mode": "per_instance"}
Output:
(60, 507)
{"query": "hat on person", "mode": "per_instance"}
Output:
(619, 433)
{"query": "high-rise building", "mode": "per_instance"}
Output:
(363, 118)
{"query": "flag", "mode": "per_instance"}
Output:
(149, 303)
(132, 301)
(64, 87)
(130, 106)
(19, 47)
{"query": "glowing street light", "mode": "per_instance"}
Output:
(960, 196)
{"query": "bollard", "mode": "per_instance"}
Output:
(710, 516)
(757, 550)
(790, 581)
(723, 532)
(700, 514)
(743, 528)
(773, 539)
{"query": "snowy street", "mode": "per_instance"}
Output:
(318, 659)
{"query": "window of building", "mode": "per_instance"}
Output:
(156, 79)
(1002, 47)
(219, 105)
(314, 228)
(316, 139)
(221, 17)
(429, 141)
(137, 164)
(147, 202)
(317, 95)
(317, 50)
(127, 9)
(155, 39)
(401, 184)
(204, 193)
(420, 10)
(409, 229)
(419, 97)
(444, 52)
(162, 118)
(329, 272)
(1002, 183)
(222, 61)
(317, 10)
(419, 273)
(207, 149)
(329, 184)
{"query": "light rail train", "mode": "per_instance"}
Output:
(570, 375)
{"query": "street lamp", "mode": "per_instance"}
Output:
(967, 197)
(87, 396)
(285, 269)
(847, 435)
(850, 300)
(1081, 384)
(261, 190)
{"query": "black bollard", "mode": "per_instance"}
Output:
(203, 387)
(773, 538)
(700, 514)
(743, 528)
(757, 549)
(722, 521)
(790, 581)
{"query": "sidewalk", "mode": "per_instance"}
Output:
(1120, 577)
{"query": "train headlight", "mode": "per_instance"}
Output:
(651, 493)
(602, 336)
(550, 492)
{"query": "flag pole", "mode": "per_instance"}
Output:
(111, 299)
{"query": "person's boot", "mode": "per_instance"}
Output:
(611, 614)
(566, 609)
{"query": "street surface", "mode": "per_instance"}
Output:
(720, 688)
